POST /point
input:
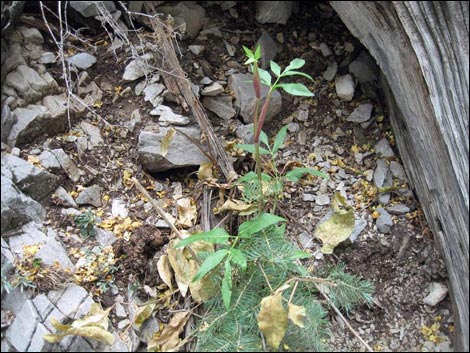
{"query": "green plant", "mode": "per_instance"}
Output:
(6, 284)
(86, 222)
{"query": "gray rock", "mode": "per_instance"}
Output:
(7, 122)
(273, 11)
(119, 209)
(31, 180)
(181, 152)
(364, 68)
(322, 200)
(306, 240)
(122, 324)
(398, 209)
(245, 100)
(445, 346)
(153, 92)
(19, 334)
(90, 196)
(70, 300)
(397, 171)
(31, 35)
(205, 81)
(384, 222)
(325, 50)
(345, 87)
(168, 116)
(47, 58)
(293, 127)
(82, 60)
(28, 124)
(104, 237)
(382, 174)
(245, 132)
(215, 31)
(48, 160)
(15, 300)
(383, 149)
(43, 306)
(53, 250)
(89, 9)
(148, 328)
(94, 134)
(269, 49)
(359, 226)
(308, 197)
(188, 16)
(38, 344)
(138, 68)
(213, 90)
(197, 49)
(361, 114)
(56, 105)
(120, 311)
(331, 71)
(437, 293)
(302, 113)
(221, 106)
(67, 164)
(135, 119)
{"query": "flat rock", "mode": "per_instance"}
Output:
(7, 122)
(90, 196)
(56, 105)
(28, 119)
(345, 87)
(181, 152)
(104, 237)
(322, 200)
(269, 49)
(213, 90)
(65, 198)
(197, 49)
(94, 134)
(168, 116)
(187, 15)
(67, 164)
(31, 180)
(47, 58)
(274, 11)
(138, 68)
(82, 61)
(325, 50)
(245, 100)
(361, 114)
(71, 299)
(245, 132)
(437, 293)
(20, 333)
(398, 209)
(359, 226)
(364, 68)
(221, 106)
(382, 175)
(308, 197)
(383, 149)
(331, 71)
(89, 9)
(53, 250)
(397, 171)
(384, 222)
(306, 240)
(153, 92)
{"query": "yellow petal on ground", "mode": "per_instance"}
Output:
(272, 319)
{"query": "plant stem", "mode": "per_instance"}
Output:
(257, 156)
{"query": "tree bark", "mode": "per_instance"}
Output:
(422, 49)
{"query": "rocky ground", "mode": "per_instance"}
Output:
(49, 177)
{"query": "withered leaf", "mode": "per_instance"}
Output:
(297, 314)
(187, 211)
(142, 314)
(169, 338)
(164, 270)
(205, 171)
(166, 141)
(272, 319)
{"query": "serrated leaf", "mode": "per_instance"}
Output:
(295, 64)
(205, 171)
(297, 314)
(257, 224)
(264, 138)
(251, 148)
(296, 174)
(211, 262)
(164, 270)
(169, 338)
(166, 141)
(275, 68)
(214, 236)
(227, 285)
(238, 258)
(279, 139)
(296, 89)
(142, 314)
(337, 228)
(265, 77)
(297, 73)
(272, 319)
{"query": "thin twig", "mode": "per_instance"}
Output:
(344, 319)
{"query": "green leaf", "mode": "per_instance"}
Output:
(279, 139)
(251, 148)
(264, 138)
(265, 77)
(252, 176)
(258, 52)
(295, 174)
(214, 236)
(296, 73)
(211, 262)
(296, 89)
(248, 52)
(300, 255)
(238, 259)
(227, 285)
(275, 68)
(295, 64)
(259, 223)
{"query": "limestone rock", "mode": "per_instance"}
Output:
(197, 49)
(90, 196)
(89, 9)
(153, 92)
(213, 90)
(361, 114)
(94, 134)
(82, 60)
(138, 68)
(437, 292)
(383, 149)
(7, 122)
(345, 87)
(384, 222)
(221, 106)
(168, 116)
(273, 11)
(188, 16)
(245, 132)
(269, 49)
(364, 68)
(181, 152)
(331, 71)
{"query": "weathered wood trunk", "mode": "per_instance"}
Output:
(422, 49)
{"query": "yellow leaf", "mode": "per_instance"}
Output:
(187, 211)
(236, 205)
(98, 104)
(338, 227)
(166, 141)
(170, 335)
(180, 266)
(142, 314)
(96, 333)
(164, 270)
(297, 314)
(272, 319)
(205, 171)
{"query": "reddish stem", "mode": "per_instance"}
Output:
(262, 117)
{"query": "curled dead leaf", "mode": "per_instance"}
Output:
(169, 338)
(187, 211)
(166, 141)
(164, 270)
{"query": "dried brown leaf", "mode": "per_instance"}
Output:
(166, 141)
(187, 211)
(164, 270)
(169, 337)
(205, 171)
(142, 314)
(272, 319)
(297, 314)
